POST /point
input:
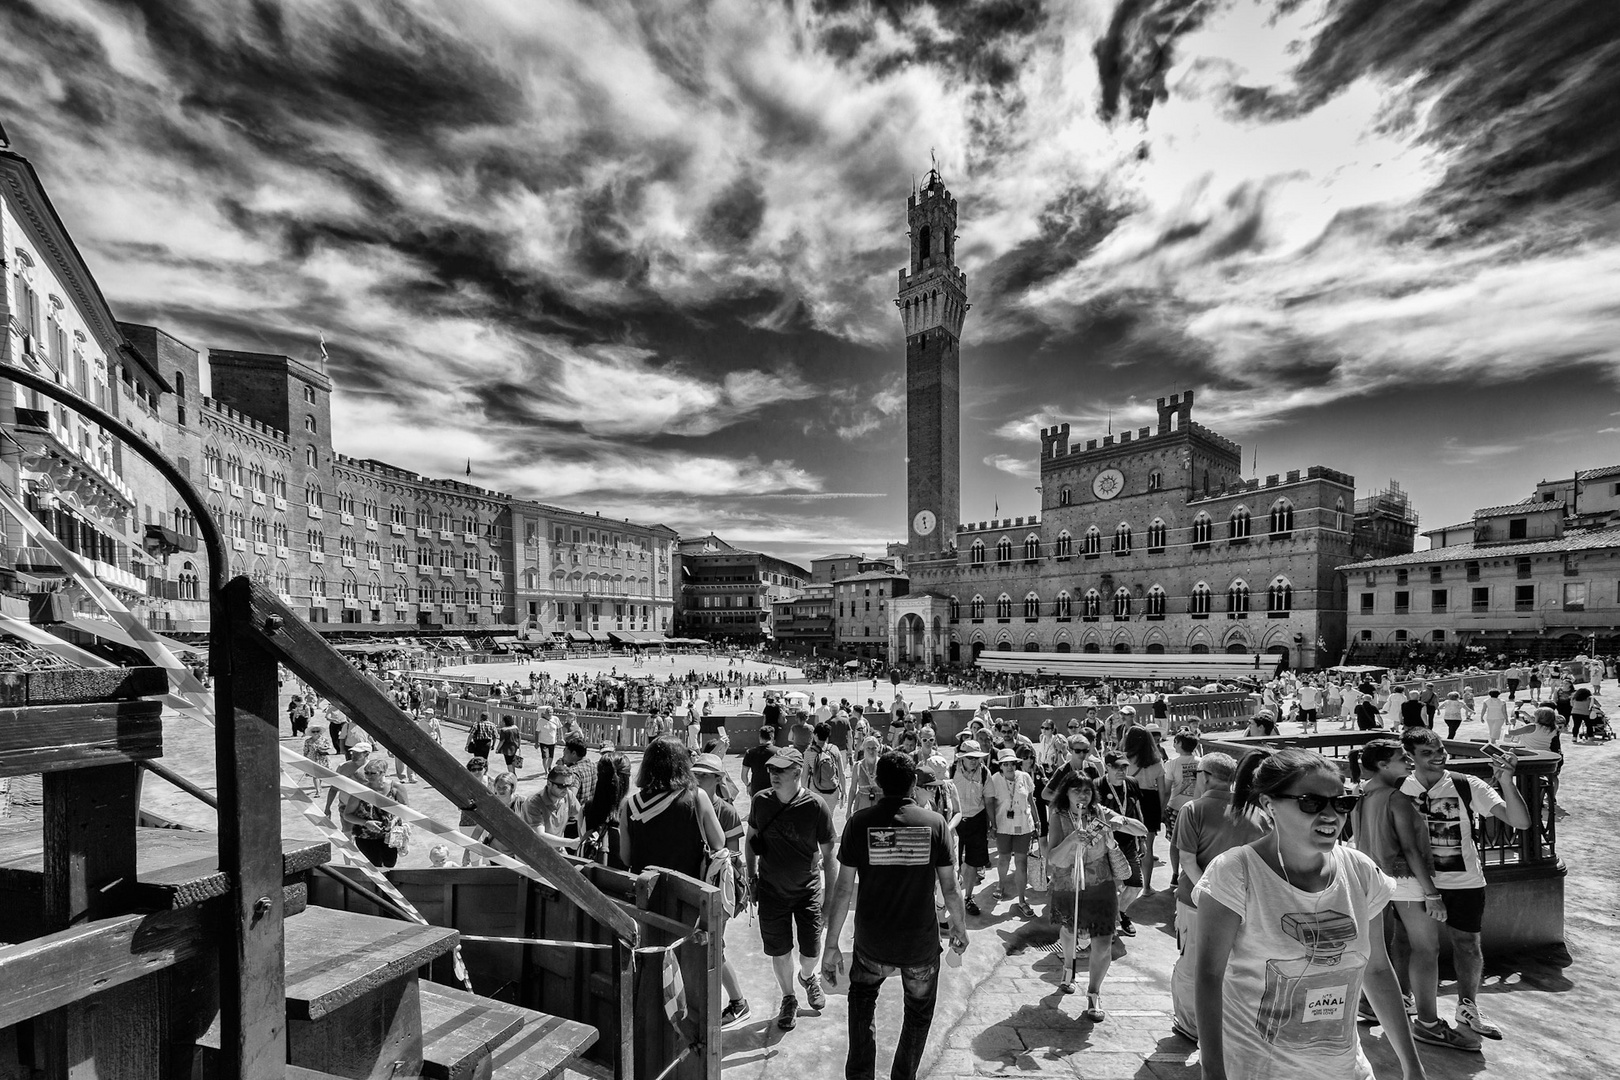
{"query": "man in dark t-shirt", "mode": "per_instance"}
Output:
(754, 761)
(898, 850)
(788, 854)
(1412, 711)
(773, 720)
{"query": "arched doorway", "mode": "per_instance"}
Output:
(1155, 648)
(1004, 646)
(1032, 646)
(956, 652)
(1091, 646)
(1063, 646)
(1122, 646)
(912, 641)
(978, 647)
(1199, 648)
(1237, 648)
(1282, 651)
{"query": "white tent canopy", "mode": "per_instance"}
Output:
(1178, 667)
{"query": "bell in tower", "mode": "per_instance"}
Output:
(933, 304)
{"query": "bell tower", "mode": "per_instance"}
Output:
(932, 303)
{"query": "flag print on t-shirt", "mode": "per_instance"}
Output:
(904, 846)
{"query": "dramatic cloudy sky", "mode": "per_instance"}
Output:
(639, 257)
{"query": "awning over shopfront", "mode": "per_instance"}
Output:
(1180, 667)
(580, 636)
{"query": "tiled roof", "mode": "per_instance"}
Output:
(1527, 505)
(1598, 474)
(1596, 539)
(1448, 528)
(873, 575)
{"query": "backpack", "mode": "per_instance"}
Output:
(828, 777)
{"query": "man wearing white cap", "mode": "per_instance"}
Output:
(359, 754)
(708, 770)
(973, 831)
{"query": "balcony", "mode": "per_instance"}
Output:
(216, 484)
(349, 560)
(286, 598)
(445, 534)
(238, 491)
(371, 524)
(424, 532)
(163, 542)
(400, 565)
(315, 513)
(496, 576)
(374, 564)
(469, 538)
(238, 543)
(317, 556)
(260, 547)
(346, 518)
(279, 503)
(282, 552)
(445, 571)
(258, 497)
(397, 528)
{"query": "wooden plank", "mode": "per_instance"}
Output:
(375, 1037)
(542, 1049)
(294, 643)
(335, 957)
(461, 1030)
(61, 968)
(74, 685)
(253, 1019)
(49, 738)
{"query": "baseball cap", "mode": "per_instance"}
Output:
(927, 776)
(971, 749)
(785, 758)
(708, 763)
(360, 747)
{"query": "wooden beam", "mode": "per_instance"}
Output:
(49, 738)
(247, 755)
(287, 637)
(59, 969)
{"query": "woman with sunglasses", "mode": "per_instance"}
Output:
(1291, 931)
(863, 785)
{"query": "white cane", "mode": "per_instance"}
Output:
(1074, 923)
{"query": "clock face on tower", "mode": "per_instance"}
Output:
(923, 523)
(1109, 482)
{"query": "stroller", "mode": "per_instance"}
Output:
(1597, 725)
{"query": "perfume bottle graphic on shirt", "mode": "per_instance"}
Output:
(1308, 1001)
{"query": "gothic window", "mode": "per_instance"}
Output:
(213, 464)
(312, 496)
(1155, 480)
(1122, 539)
(1338, 514)
(1203, 529)
(1003, 606)
(256, 477)
(1280, 597)
(925, 238)
(1032, 548)
(1155, 603)
(1282, 518)
(1065, 496)
(190, 583)
(1155, 535)
(976, 608)
(978, 552)
(1240, 523)
(1093, 545)
(1237, 598)
(1064, 607)
(1004, 550)
(1091, 605)
(1199, 603)
(956, 610)
(1032, 606)
(1064, 547)
(1122, 603)
(317, 587)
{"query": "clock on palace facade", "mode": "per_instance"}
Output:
(923, 523)
(1109, 483)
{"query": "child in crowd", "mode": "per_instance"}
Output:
(318, 748)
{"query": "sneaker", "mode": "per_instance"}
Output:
(973, 909)
(789, 1016)
(1468, 1014)
(1177, 1029)
(1094, 1010)
(814, 995)
(734, 1013)
(1127, 927)
(1441, 1033)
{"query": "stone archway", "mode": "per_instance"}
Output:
(912, 638)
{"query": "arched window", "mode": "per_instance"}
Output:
(1279, 597)
(1155, 603)
(1122, 539)
(233, 469)
(1122, 603)
(956, 610)
(1064, 548)
(1237, 597)
(190, 584)
(1240, 523)
(1199, 601)
(925, 240)
(317, 587)
(1004, 550)
(1338, 514)
(1091, 606)
(1003, 606)
(256, 477)
(1032, 547)
(309, 423)
(1032, 606)
(1203, 529)
(312, 496)
(1155, 480)
(1065, 496)
(311, 458)
(1093, 546)
(977, 553)
(976, 609)
(1064, 607)
(1156, 534)
(1282, 518)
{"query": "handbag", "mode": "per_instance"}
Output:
(399, 836)
(1118, 862)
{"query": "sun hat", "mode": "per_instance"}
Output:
(708, 763)
(1005, 756)
(970, 749)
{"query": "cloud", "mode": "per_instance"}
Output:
(1455, 452)
(1024, 467)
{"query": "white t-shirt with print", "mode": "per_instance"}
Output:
(1015, 800)
(1451, 832)
(1294, 976)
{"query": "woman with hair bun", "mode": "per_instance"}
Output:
(1291, 932)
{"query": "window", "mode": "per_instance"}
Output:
(1003, 550)
(1523, 568)
(1437, 601)
(1366, 603)
(1064, 607)
(309, 394)
(1239, 525)
(1524, 598)
(309, 423)
(1435, 576)
(1338, 514)
(1401, 577)
(1091, 606)
(1366, 635)
(976, 609)
(1064, 548)
(1480, 600)
(1282, 518)
(1155, 480)
(1471, 570)
(955, 610)
(1032, 607)
(977, 554)
(1279, 597)
(1155, 535)
(1574, 596)
(311, 458)
(1003, 606)
(1403, 602)
(1122, 539)
(1203, 529)
(1518, 528)
(312, 496)
(1400, 635)
(1199, 603)
(1065, 496)
(1155, 603)
(1032, 548)
(1122, 603)
(1093, 544)
(1237, 598)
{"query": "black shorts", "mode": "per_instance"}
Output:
(974, 832)
(779, 915)
(1465, 909)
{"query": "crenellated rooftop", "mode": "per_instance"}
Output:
(216, 406)
(1030, 522)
